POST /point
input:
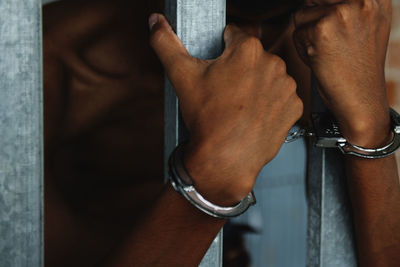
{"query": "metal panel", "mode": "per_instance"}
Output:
(199, 24)
(280, 216)
(330, 230)
(21, 132)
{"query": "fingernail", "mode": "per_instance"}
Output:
(153, 19)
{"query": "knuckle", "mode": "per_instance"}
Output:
(343, 13)
(278, 64)
(322, 28)
(291, 84)
(298, 107)
(250, 51)
(251, 45)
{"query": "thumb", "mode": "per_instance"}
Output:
(168, 47)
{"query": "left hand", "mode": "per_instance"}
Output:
(345, 43)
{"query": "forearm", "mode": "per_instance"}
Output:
(375, 196)
(347, 40)
(174, 233)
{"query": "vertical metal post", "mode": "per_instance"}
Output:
(21, 134)
(199, 24)
(330, 230)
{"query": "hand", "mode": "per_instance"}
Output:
(344, 43)
(238, 109)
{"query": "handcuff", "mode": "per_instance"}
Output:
(184, 184)
(326, 134)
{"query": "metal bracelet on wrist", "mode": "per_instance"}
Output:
(326, 134)
(183, 183)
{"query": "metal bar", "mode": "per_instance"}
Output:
(21, 134)
(330, 229)
(280, 216)
(199, 24)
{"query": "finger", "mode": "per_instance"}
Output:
(310, 15)
(302, 39)
(168, 47)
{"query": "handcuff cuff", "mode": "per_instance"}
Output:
(183, 183)
(325, 134)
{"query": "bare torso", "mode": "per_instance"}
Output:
(104, 126)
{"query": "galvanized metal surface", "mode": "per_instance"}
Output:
(330, 230)
(21, 138)
(199, 24)
(280, 215)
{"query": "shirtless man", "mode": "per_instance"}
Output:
(103, 111)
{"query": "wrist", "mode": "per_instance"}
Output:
(364, 119)
(217, 177)
(368, 131)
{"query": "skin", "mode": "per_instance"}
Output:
(101, 85)
(331, 34)
(237, 106)
(99, 78)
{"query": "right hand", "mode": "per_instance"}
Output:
(238, 109)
